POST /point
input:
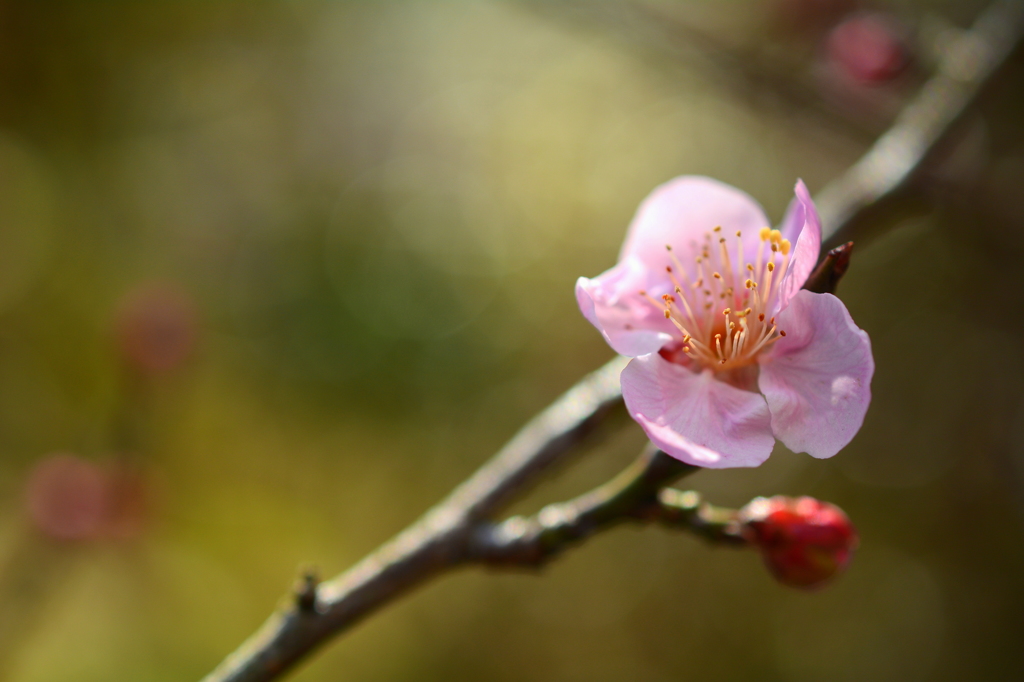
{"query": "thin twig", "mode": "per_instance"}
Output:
(458, 530)
(638, 494)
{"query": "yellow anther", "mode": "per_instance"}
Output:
(750, 268)
(771, 267)
(718, 229)
(776, 236)
(686, 349)
(721, 240)
(668, 247)
(765, 233)
(775, 248)
(727, 311)
(716, 275)
(785, 246)
(749, 284)
(738, 233)
(667, 314)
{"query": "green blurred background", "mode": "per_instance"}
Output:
(360, 225)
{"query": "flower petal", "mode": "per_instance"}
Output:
(695, 417)
(681, 211)
(612, 303)
(817, 379)
(802, 227)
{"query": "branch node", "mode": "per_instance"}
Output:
(306, 590)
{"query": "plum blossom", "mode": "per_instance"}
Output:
(728, 351)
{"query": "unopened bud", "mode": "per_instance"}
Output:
(804, 541)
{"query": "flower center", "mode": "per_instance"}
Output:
(721, 304)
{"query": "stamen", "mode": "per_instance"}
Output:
(725, 259)
(768, 279)
(675, 261)
(765, 235)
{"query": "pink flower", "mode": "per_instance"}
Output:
(729, 353)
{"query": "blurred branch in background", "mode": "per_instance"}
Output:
(458, 530)
(963, 62)
(925, 124)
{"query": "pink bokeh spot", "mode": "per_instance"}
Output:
(728, 352)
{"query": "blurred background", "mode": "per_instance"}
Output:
(274, 277)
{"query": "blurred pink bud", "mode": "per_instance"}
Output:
(156, 328)
(68, 497)
(72, 499)
(869, 48)
(804, 542)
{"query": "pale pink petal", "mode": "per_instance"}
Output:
(681, 211)
(802, 226)
(696, 418)
(817, 379)
(612, 303)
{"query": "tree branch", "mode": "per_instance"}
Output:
(457, 531)
(434, 543)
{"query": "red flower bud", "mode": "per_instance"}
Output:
(804, 541)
